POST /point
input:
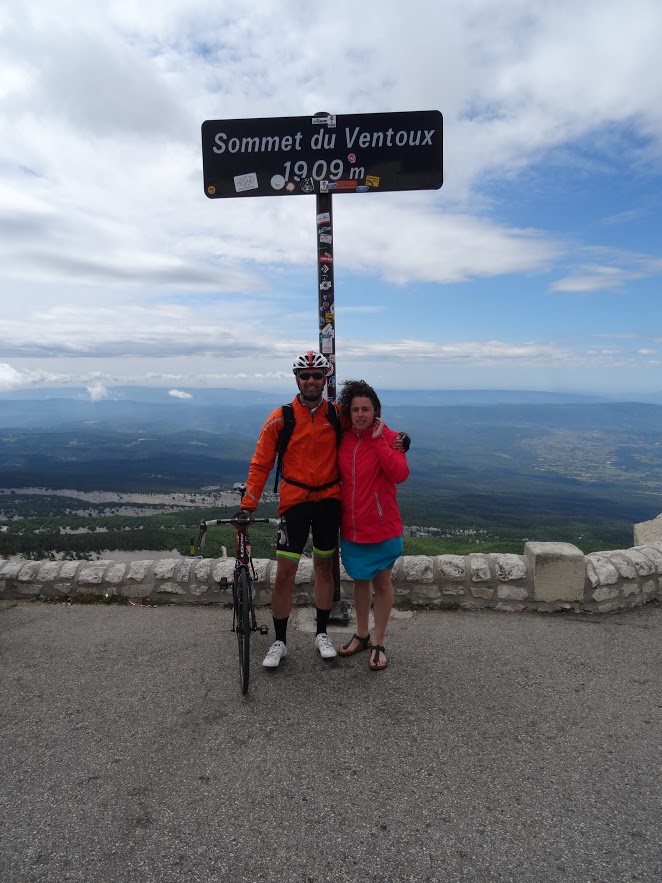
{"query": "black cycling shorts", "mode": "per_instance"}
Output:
(323, 517)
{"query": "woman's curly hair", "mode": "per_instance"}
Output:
(353, 388)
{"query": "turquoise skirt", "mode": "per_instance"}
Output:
(365, 560)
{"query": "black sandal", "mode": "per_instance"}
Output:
(364, 642)
(374, 656)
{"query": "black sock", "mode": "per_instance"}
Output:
(280, 627)
(322, 620)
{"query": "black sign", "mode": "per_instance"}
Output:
(353, 153)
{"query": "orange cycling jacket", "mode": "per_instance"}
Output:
(311, 458)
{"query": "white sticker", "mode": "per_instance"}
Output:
(245, 182)
(324, 218)
(278, 182)
(324, 237)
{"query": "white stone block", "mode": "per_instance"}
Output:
(165, 568)
(171, 588)
(28, 572)
(600, 570)
(452, 568)
(480, 569)
(559, 571)
(625, 567)
(48, 571)
(223, 567)
(418, 569)
(509, 568)
(203, 570)
(92, 574)
(115, 573)
(643, 565)
(69, 569)
(184, 572)
(138, 570)
(654, 554)
(649, 587)
(512, 593)
(604, 594)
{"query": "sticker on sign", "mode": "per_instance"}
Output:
(246, 182)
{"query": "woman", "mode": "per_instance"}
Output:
(371, 527)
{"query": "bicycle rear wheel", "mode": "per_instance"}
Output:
(243, 626)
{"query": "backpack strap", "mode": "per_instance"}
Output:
(334, 419)
(284, 437)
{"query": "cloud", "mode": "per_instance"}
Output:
(13, 378)
(10, 378)
(612, 276)
(179, 394)
(97, 392)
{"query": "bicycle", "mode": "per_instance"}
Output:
(243, 609)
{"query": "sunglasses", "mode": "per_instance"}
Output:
(306, 375)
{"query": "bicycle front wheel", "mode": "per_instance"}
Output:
(243, 626)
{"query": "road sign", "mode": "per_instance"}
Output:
(352, 153)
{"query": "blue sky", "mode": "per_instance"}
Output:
(537, 265)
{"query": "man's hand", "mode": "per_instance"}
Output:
(401, 443)
(242, 516)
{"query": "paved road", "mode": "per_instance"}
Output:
(496, 747)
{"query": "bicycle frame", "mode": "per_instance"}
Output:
(243, 609)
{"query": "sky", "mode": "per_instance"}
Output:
(537, 265)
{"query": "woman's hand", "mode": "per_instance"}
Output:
(377, 427)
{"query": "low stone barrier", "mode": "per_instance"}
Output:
(548, 577)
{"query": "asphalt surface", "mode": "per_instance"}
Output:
(496, 747)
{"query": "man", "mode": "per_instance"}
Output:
(309, 498)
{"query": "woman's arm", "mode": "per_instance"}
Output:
(393, 462)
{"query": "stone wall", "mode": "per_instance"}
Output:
(548, 577)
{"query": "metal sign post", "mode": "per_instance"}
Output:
(326, 298)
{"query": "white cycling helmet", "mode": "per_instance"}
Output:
(312, 360)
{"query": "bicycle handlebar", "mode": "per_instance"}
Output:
(243, 523)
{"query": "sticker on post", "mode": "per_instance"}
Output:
(324, 218)
(372, 180)
(245, 182)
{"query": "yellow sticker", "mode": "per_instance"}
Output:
(372, 180)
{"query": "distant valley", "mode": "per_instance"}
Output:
(579, 470)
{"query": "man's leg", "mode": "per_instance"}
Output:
(288, 552)
(325, 526)
(281, 597)
(323, 568)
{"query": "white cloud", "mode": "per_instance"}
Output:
(97, 392)
(179, 394)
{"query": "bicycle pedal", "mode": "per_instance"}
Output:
(341, 612)
(264, 629)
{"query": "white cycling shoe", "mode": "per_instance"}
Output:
(325, 647)
(274, 655)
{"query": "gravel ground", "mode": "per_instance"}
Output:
(496, 747)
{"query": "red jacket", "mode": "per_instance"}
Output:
(370, 469)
